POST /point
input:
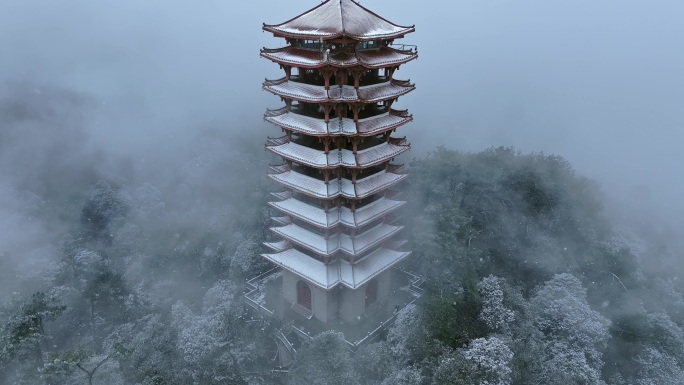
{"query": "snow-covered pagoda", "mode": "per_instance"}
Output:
(336, 235)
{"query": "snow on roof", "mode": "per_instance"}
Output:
(282, 220)
(337, 215)
(277, 141)
(338, 126)
(279, 168)
(376, 182)
(335, 158)
(305, 184)
(370, 212)
(384, 91)
(316, 58)
(337, 242)
(369, 239)
(379, 154)
(335, 18)
(338, 187)
(385, 56)
(305, 238)
(339, 271)
(301, 154)
(282, 194)
(303, 124)
(306, 267)
(309, 93)
(383, 122)
(355, 275)
(308, 213)
(278, 246)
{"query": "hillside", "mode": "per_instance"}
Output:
(140, 268)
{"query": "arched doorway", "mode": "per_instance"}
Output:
(371, 292)
(303, 294)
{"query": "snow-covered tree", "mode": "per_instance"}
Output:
(454, 369)
(209, 342)
(658, 368)
(490, 359)
(405, 376)
(565, 364)
(82, 367)
(485, 361)
(104, 205)
(666, 336)
(146, 350)
(560, 310)
(571, 337)
(324, 360)
(494, 313)
(409, 339)
(375, 362)
(406, 325)
(247, 258)
(24, 335)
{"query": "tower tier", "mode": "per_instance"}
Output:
(336, 158)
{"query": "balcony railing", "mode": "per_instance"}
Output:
(404, 47)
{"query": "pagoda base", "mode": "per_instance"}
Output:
(264, 295)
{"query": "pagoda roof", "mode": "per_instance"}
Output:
(286, 220)
(303, 92)
(280, 168)
(338, 242)
(339, 272)
(278, 246)
(338, 126)
(317, 188)
(335, 158)
(336, 18)
(287, 194)
(337, 215)
(316, 58)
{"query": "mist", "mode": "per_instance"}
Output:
(164, 99)
(596, 82)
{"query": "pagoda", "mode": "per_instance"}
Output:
(336, 234)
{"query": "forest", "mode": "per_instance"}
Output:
(122, 271)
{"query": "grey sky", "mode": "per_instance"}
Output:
(598, 82)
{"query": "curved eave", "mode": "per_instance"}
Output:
(357, 274)
(307, 213)
(308, 240)
(308, 58)
(278, 246)
(308, 93)
(338, 18)
(282, 195)
(337, 216)
(344, 158)
(316, 188)
(283, 221)
(338, 243)
(371, 126)
(376, 183)
(310, 35)
(379, 154)
(372, 212)
(339, 272)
